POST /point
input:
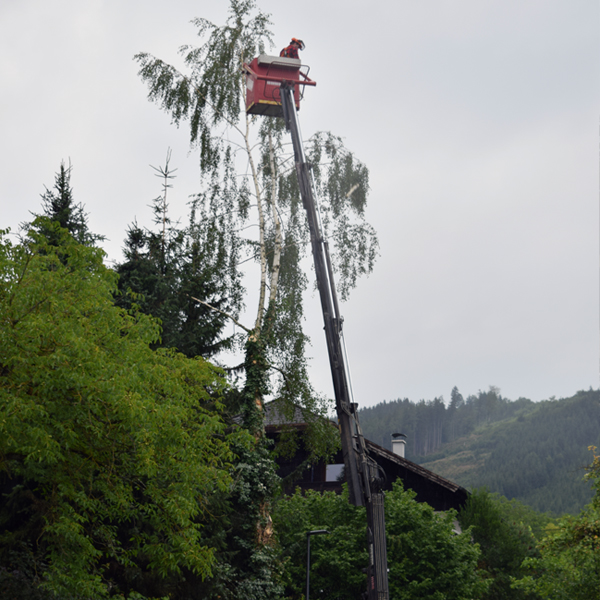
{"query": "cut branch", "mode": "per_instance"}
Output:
(223, 313)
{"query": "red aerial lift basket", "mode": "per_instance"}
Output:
(264, 77)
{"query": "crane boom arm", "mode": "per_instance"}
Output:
(362, 474)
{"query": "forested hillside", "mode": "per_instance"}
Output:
(534, 452)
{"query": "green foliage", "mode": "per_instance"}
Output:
(167, 270)
(593, 475)
(263, 207)
(568, 563)
(210, 97)
(533, 452)
(337, 559)
(211, 94)
(429, 424)
(248, 566)
(540, 459)
(505, 540)
(342, 183)
(59, 206)
(523, 516)
(112, 456)
(265, 219)
(426, 559)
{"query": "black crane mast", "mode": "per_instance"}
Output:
(365, 478)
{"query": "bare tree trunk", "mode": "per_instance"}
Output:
(261, 234)
(277, 222)
(256, 363)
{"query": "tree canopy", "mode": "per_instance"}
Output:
(112, 455)
(506, 539)
(425, 557)
(568, 561)
(247, 173)
(531, 451)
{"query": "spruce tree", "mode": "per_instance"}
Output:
(59, 206)
(168, 268)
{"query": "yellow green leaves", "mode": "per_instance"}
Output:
(110, 453)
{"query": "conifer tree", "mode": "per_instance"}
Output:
(59, 206)
(165, 268)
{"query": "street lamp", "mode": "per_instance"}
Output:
(308, 534)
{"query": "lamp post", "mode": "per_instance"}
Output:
(308, 534)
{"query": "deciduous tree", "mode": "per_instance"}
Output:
(504, 541)
(248, 174)
(113, 457)
(425, 557)
(210, 95)
(568, 564)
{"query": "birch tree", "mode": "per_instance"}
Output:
(247, 173)
(262, 196)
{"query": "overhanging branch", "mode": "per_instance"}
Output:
(223, 313)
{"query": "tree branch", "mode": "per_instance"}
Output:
(223, 313)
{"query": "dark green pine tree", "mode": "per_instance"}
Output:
(60, 207)
(456, 401)
(174, 273)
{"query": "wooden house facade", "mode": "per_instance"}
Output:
(296, 472)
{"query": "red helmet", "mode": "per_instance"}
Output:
(299, 42)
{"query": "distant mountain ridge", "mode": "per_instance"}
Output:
(534, 452)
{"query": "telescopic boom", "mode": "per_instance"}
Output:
(364, 477)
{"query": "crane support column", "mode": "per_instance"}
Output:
(362, 474)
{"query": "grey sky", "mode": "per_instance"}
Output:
(478, 121)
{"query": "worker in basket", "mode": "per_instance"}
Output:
(291, 51)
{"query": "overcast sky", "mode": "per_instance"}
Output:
(478, 120)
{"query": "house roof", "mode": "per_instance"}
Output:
(277, 414)
(439, 492)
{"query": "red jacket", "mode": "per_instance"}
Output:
(290, 51)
